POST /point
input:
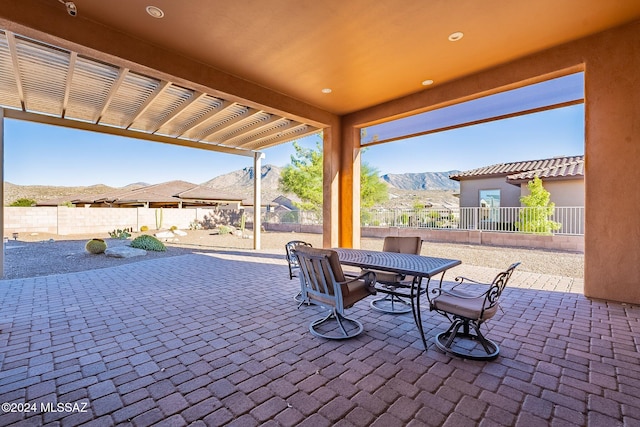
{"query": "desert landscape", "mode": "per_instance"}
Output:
(41, 254)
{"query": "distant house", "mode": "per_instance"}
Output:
(283, 203)
(172, 194)
(502, 185)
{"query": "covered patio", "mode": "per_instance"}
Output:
(216, 338)
(184, 340)
(236, 78)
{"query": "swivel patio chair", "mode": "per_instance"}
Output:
(325, 285)
(469, 311)
(294, 267)
(392, 284)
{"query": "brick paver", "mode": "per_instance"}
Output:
(215, 339)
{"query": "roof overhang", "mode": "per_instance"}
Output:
(49, 84)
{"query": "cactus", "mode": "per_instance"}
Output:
(119, 234)
(95, 246)
(158, 219)
(148, 243)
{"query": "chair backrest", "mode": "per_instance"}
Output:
(402, 245)
(492, 295)
(291, 258)
(321, 272)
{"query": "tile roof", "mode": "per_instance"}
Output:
(166, 192)
(206, 193)
(554, 168)
(569, 170)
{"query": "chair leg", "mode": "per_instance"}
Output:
(452, 332)
(343, 327)
(391, 304)
(465, 343)
(488, 345)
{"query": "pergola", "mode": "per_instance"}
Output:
(240, 77)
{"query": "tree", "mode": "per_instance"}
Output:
(535, 219)
(303, 177)
(24, 202)
(372, 189)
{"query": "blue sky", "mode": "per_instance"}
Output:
(38, 154)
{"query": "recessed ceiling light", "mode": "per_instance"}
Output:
(454, 37)
(326, 90)
(427, 82)
(155, 11)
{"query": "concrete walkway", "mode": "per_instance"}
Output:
(216, 339)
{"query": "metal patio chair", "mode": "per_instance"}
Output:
(468, 311)
(392, 284)
(325, 284)
(294, 267)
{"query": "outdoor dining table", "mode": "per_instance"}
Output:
(418, 266)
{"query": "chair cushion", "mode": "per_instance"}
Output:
(470, 308)
(386, 277)
(352, 292)
(402, 245)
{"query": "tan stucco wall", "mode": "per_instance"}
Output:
(610, 61)
(470, 192)
(562, 193)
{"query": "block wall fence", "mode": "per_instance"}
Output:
(476, 237)
(62, 220)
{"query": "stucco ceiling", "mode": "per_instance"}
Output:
(365, 51)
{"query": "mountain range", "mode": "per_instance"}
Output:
(405, 189)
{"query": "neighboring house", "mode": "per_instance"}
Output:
(502, 185)
(172, 194)
(283, 203)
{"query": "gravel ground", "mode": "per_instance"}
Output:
(45, 254)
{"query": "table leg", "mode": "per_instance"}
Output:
(415, 307)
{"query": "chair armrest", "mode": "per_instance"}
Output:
(461, 295)
(461, 279)
(369, 278)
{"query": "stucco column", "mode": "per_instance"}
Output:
(330, 186)
(350, 188)
(257, 199)
(612, 133)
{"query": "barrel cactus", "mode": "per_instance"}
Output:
(148, 243)
(96, 246)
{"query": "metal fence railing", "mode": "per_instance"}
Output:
(293, 217)
(558, 220)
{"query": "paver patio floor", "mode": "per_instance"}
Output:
(216, 339)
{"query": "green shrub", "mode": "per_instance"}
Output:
(144, 228)
(95, 246)
(24, 202)
(223, 229)
(119, 234)
(148, 243)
